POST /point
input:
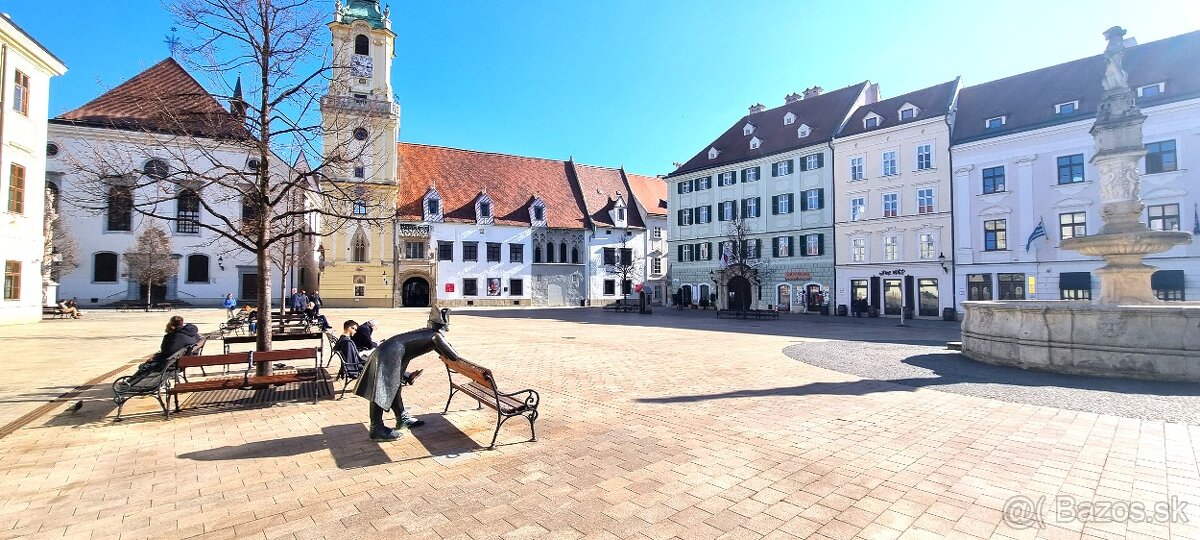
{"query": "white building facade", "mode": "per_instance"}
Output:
(482, 264)
(1023, 161)
(25, 71)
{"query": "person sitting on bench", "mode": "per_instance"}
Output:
(363, 336)
(178, 337)
(311, 314)
(345, 346)
(384, 374)
(69, 308)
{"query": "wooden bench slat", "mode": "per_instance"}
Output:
(234, 383)
(484, 395)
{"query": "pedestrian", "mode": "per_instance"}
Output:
(298, 301)
(230, 305)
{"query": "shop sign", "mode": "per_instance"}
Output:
(797, 276)
(892, 272)
(449, 287)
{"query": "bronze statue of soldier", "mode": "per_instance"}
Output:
(384, 373)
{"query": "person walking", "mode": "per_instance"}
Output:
(230, 305)
(298, 301)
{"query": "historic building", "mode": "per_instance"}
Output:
(614, 258)
(892, 204)
(25, 71)
(770, 176)
(650, 197)
(146, 132)
(1023, 179)
(361, 123)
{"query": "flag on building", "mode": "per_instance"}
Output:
(1196, 219)
(726, 253)
(1038, 232)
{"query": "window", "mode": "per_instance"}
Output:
(750, 207)
(574, 255)
(516, 287)
(995, 122)
(562, 252)
(197, 269)
(750, 248)
(656, 266)
(814, 244)
(360, 171)
(493, 252)
(609, 256)
(470, 251)
(1072, 224)
(1070, 169)
(703, 183)
(537, 253)
(1168, 285)
(626, 286)
(16, 189)
(782, 168)
(925, 245)
(907, 113)
(445, 251)
(684, 216)
(995, 235)
(156, 168)
(891, 204)
(1163, 217)
(993, 180)
(187, 209)
(360, 208)
(21, 93)
(704, 214)
(432, 206)
(104, 268)
(1151, 90)
(727, 211)
(610, 287)
(685, 253)
(51, 149)
(12, 280)
(979, 286)
(1160, 157)
(750, 174)
(485, 210)
(924, 157)
(1012, 286)
(925, 200)
(549, 252)
(362, 45)
(891, 248)
(120, 208)
(700, 251)
(870, 122)
(414, 250)
(516, 253)
(813, 162)
(856, 168)
(539, 213)
(1066, 108)
(360, 291)
(781, 204)
(657, 234)
(814, 199)
(858, 249)
(360, 249)
(1075, 286)
(783, 246)
(727, 179)
(858, 208)
(470, 287)
(889, 163)
(685, 187)
(755, 143)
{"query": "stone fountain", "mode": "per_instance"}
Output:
(1126, 331)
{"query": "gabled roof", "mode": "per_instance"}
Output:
(600, 187)
(650, 192)
(511, 182)
(930, 102)
(1027, 100)
(823, 114)
(162, 99)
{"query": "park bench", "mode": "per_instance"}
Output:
(747, 314)
(250, 378)
(53, 312)
(292, 322)
(153, 383)
(347, 373)
(481, 386)
(621, 307)
(293, 336)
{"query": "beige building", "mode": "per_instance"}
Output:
(892, 209)
(25, 71)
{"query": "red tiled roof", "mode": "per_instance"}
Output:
(511, 182)
(162, 99)
(600, 187)
(650, 191)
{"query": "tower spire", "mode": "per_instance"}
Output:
(237, 105)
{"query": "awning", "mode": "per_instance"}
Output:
(1074, 281)
(1167, 279)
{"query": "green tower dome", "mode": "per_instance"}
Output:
(362, 10)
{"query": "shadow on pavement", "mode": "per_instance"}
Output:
(442, 438)
(348, 444)
(853, 388)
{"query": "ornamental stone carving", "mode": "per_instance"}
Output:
(1119, 181)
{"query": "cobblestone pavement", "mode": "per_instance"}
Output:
(673, 425)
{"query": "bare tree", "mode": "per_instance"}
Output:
(624, 263)
(741, 254)
(150, 261)
(60, 249)
(235, 166)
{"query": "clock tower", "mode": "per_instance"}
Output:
(361, 123)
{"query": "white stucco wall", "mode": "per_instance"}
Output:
(454, 272)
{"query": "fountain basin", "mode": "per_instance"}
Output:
(1159, 341)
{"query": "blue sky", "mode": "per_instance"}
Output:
(635, 83)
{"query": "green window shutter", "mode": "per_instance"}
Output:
(679, 218)
(791, 247)
(710, 250)
(803, 163)
(820, 160)
(775, 205)
(774, 169)
(791, 202)
(804, 245)
(758, 172)
(744, 175)
(803, 201)
(758, 204)
(820, 244)
(775, 248)
(820, 198)
(744, 201)
(757, 248)
(681, 253)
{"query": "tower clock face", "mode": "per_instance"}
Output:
(361, 65)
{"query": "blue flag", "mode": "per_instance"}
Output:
(1038, 232)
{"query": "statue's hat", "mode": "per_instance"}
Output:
(437, 316)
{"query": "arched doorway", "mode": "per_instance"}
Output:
(739, 293)
(705, 301)
(415, 293)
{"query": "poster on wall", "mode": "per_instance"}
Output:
(493, 286)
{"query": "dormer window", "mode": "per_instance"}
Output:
(871, 121)
(907, 112)
(1151, 90)
(713, 153)
(995, 123)
(483, 209)
(618, 213)
(1066, 108)
(789, 119)
(755, 143)
(433, 206)
(803, 131)
(537, 213)
(748, 129)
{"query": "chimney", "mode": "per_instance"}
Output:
(757, 108)
(792, 98)
(813, 92)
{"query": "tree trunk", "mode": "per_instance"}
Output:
(264, 309)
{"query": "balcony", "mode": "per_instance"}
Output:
(360, 105)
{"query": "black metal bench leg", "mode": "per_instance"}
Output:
(447, 409)
(532, 433)
(120, 406)
(499, 422)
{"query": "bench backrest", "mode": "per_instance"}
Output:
(472, 371)
(245, 357)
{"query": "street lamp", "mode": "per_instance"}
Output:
(942, 261)
(221, 262)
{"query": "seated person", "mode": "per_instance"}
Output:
(66, 307)
(311, 313)
(178, 337)
(349, 350)
(362, 337)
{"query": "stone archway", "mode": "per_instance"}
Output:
(415, 292)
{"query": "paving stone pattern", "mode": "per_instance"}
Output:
(661, 426)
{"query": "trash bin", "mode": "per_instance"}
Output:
(948, 314)
(843, 310)
(824, 309)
